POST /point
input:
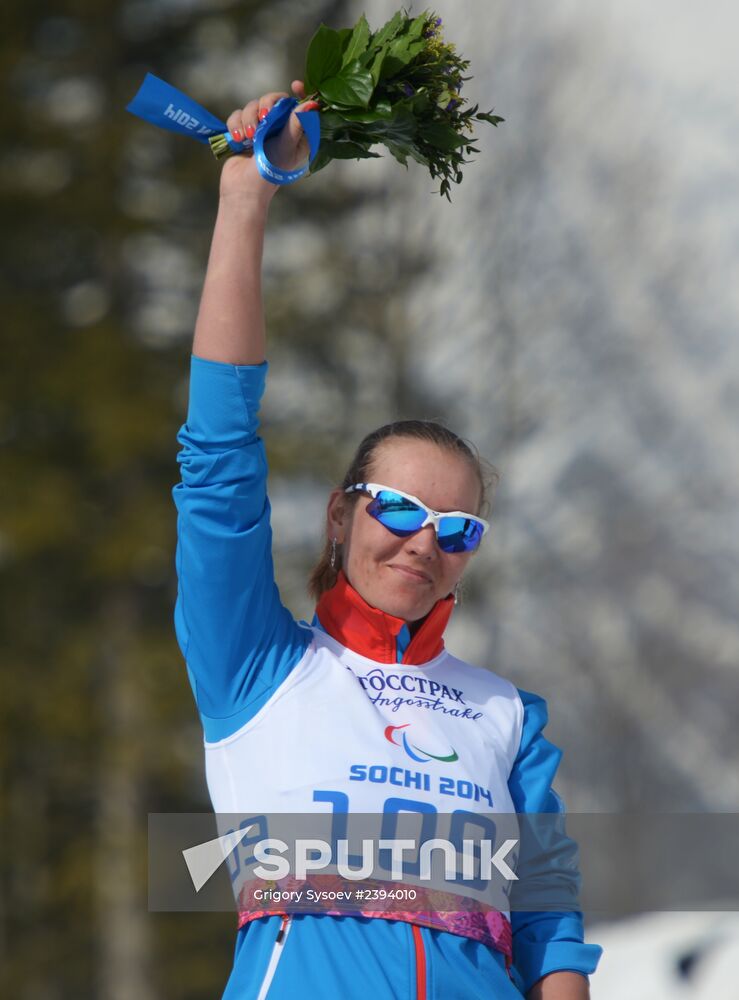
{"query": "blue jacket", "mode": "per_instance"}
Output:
(240, 644)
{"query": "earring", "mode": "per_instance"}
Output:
(456, 593)
(333, 553)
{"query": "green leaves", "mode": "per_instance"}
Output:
(400, 52)
(399, 87)
(376, 68)
(333, 69)
(415, 28)
(488, 116)
(382, 110)
(323, 59)
(344, 149)
(358, 42)
(443, 136)
(348, 150)
(352, 86)
(402, 127)
(388, 31)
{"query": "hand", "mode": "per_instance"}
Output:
(287, 150)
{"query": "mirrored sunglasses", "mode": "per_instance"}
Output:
(404, 515)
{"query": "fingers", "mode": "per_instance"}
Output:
(268, 101)
(298, 88)
(242, 123)
(293, 145)
(296, 129)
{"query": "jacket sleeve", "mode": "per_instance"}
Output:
(546, 941)
(238, 640)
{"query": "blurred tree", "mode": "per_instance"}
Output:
(105, 228)
(593, 359)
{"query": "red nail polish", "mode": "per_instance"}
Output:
(236, 134)
(250, 130)
(263, 112)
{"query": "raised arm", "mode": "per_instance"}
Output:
(230, 324)
(238, 640)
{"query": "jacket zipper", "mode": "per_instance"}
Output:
(420, 952)
(275, 957)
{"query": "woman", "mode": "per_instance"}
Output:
(277, 700)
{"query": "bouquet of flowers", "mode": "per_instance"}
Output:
(399, 86)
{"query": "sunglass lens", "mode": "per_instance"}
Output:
(459, 534)
(396, 513)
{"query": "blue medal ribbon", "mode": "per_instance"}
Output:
(165, 106)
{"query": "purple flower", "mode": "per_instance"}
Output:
(452, 105)
(433, 29)
(408, 90)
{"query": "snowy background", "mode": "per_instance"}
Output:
(578, 320)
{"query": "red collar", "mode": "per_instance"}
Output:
(351, 621)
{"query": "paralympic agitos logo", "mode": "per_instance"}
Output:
(414, 752)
